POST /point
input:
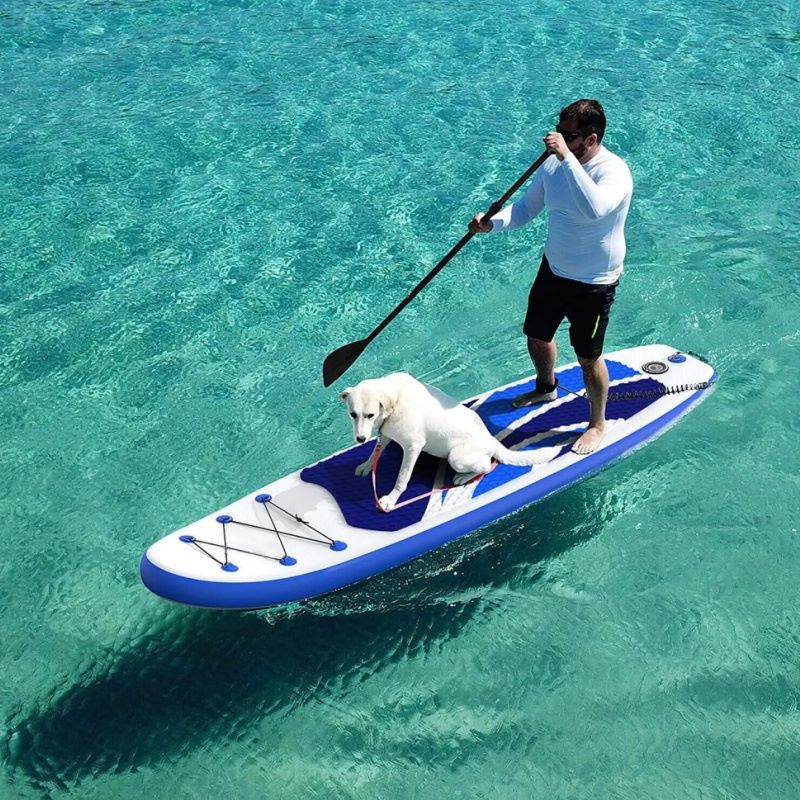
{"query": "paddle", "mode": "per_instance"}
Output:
(341, 359)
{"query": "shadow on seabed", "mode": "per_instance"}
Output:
(205, 674)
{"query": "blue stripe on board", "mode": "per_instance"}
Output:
(576, 411)
(498, 414)
(503, 473)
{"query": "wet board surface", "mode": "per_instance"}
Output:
(317, 529)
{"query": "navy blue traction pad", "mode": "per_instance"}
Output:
(354, 494)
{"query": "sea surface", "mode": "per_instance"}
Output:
(202, 200)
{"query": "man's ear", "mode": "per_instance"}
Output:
(345, 394)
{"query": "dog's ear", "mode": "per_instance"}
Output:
(345, 394)
(388, 402)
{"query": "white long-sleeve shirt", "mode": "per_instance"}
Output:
(588, 204)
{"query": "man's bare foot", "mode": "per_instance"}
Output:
(534, 397)
(589, 442)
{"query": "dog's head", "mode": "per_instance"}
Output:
(369, 404)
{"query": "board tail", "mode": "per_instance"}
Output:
(525, 458)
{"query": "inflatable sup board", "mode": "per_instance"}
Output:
(319, 529)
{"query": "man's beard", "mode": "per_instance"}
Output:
(580, 152)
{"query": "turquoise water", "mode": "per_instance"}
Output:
(202, 200)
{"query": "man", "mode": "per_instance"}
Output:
(587, 191)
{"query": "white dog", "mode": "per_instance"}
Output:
(420, 417)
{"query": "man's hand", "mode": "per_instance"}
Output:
(479, 224)
(554, 142)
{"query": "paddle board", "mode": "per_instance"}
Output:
(318, 529)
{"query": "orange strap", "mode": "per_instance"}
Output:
(377, 455)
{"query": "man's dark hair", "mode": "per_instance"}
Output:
(588, 115)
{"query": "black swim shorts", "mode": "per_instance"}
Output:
(585, 305)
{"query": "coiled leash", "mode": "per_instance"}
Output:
(377, 455)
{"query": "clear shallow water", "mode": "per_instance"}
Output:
(202, 200)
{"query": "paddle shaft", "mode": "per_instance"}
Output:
(493, 209)
(341, 359)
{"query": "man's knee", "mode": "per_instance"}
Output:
(539, 345)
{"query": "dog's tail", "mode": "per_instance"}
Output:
(525, 458)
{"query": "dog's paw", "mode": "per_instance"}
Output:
(387, 501)
(364, 469)
(465, 477)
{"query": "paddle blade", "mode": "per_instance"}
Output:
(340, 360)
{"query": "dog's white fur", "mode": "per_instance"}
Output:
(422, 418)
